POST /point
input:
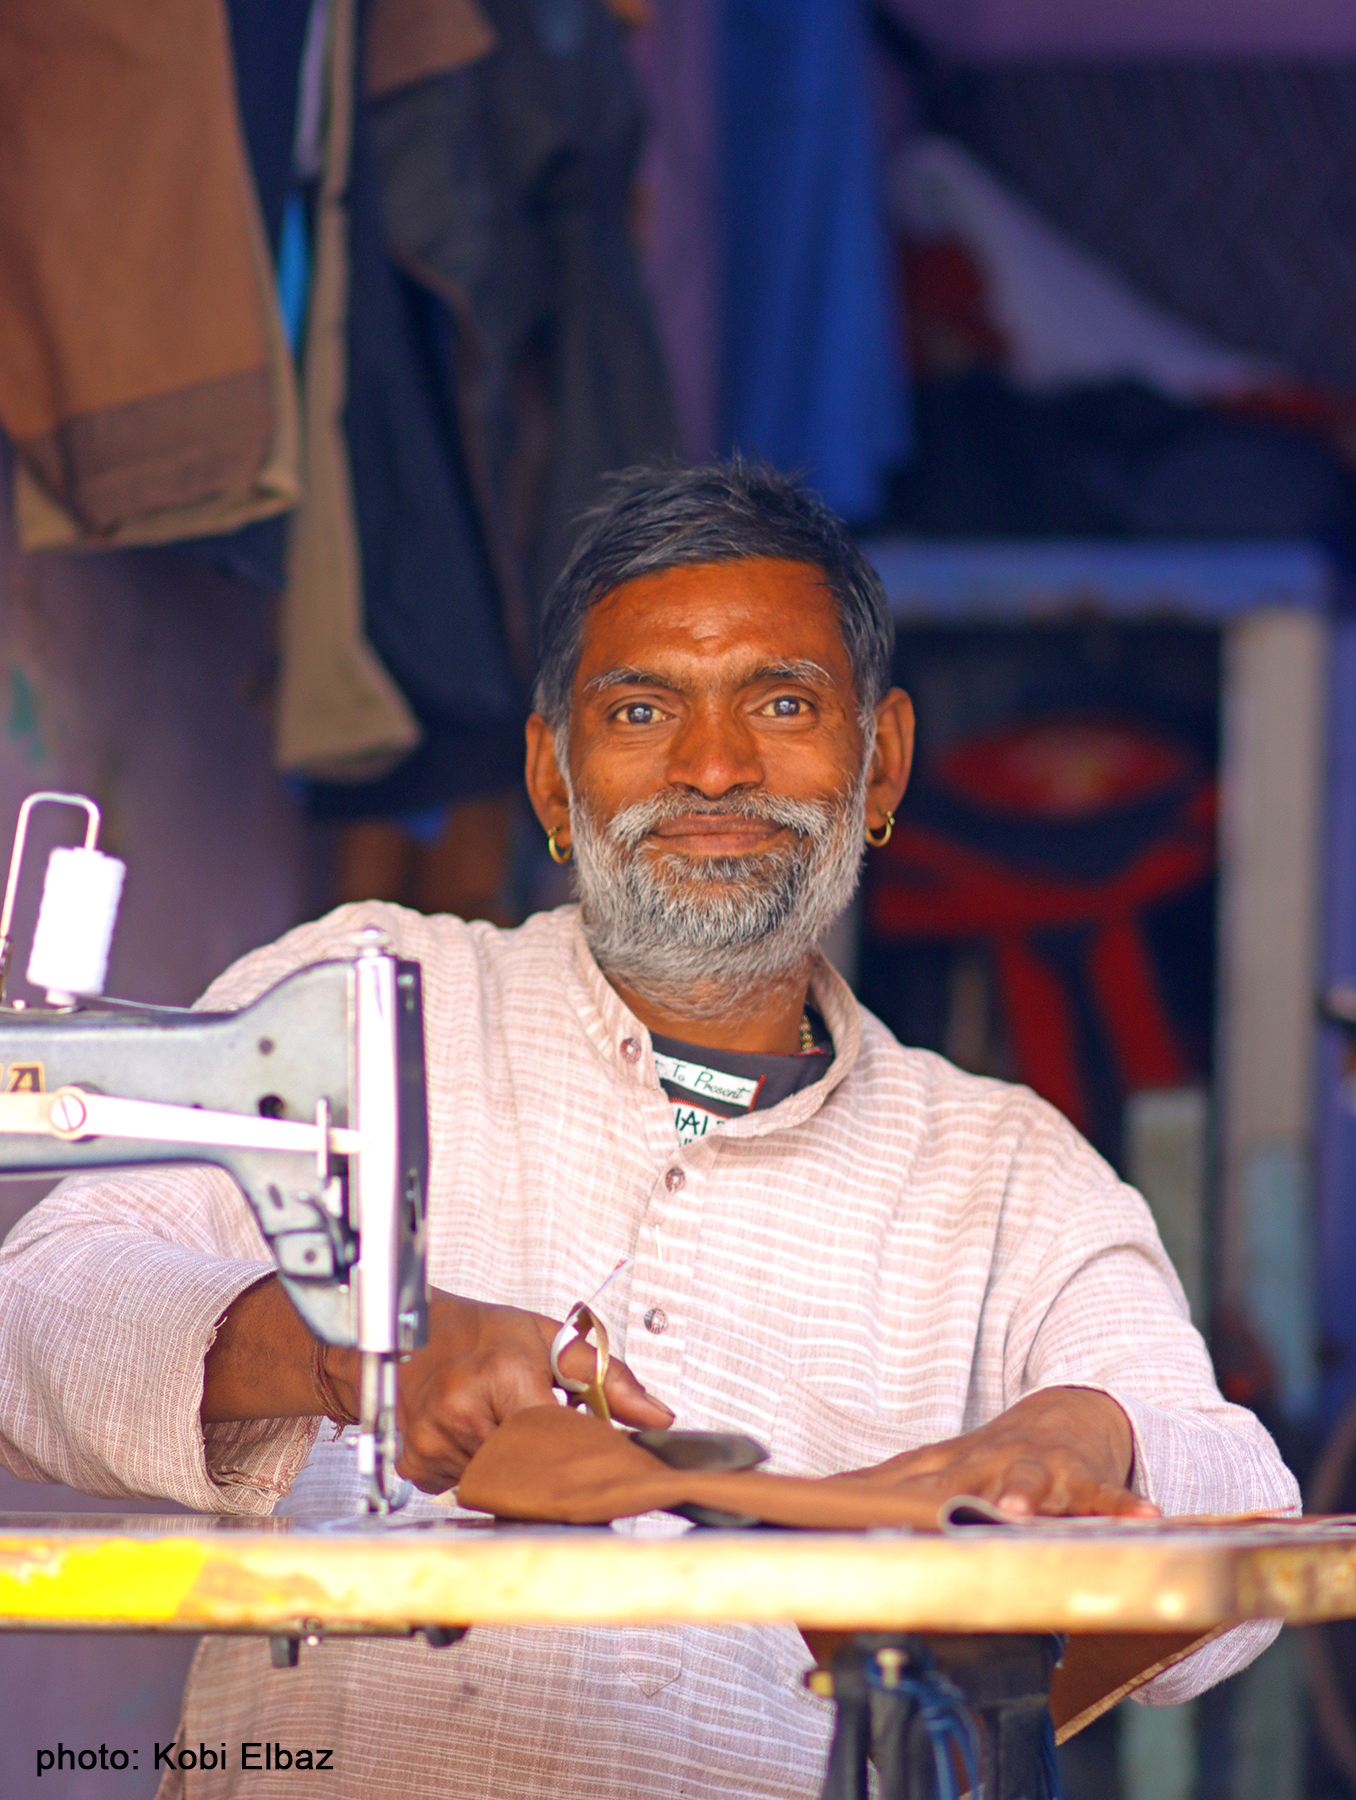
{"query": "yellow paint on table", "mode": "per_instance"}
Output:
(139, 1581)
(192, 1576)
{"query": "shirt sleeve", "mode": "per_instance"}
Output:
(1108, 1312)
(111, 1292)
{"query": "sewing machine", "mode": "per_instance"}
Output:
(312, 1099)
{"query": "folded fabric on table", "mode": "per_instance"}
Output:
(549, 1462)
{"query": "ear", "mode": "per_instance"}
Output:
(546, 787)
(893, 758)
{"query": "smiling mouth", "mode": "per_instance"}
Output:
(717, 834)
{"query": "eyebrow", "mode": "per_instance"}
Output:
(802, 670)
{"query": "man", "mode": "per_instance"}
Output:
(844, 1247)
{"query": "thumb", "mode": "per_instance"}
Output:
(1121, 1503)
(630, 1402)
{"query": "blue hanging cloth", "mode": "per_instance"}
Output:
(267, 39)
(812, 377)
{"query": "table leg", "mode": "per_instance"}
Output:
(941, 1715)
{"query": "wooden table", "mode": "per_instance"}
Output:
(87, 1572)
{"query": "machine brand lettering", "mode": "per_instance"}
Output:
(25, 1078)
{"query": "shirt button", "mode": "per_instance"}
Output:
(657, 1321)
(631, 1049)
(674, 1179)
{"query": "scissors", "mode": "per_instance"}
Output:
(579, 1322)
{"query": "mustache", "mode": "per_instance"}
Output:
(702, 934)
(631, 825)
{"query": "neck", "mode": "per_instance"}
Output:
(763, 1023)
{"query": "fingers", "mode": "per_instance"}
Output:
(1057, 1452)
(1121, 1503)
(442, 1428)
(627, 1400)
(482, 1364)
(1022, 1481)
(578, 1361)
(630, 1402)
(1055, 1490)
(1026, 1487)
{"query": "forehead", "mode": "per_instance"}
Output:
(714, 618)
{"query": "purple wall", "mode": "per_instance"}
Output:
(1001, 28)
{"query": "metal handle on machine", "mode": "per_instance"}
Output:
(72, 1114)
(374, 1197)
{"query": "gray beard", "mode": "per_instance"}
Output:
(701, 936)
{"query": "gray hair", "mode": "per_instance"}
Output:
(657, 518)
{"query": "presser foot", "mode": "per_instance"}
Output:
(379, 1439)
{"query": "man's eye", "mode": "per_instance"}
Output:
(640, 712)
(785, 706)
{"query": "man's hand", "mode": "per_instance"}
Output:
(481, 1363)
(1064, 1450)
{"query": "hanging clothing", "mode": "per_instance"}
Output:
(1220, 190)
(680, 181)
(140, 375)
(430, 595)
(268, 39)
(507, 188)
(500, 361)
(1069, 947)
(391, 634)
(431, 599)
(1117, 460)
(1057, 316)
(338, 710)
(812, 378)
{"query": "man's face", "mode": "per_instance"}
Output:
(710, 682)
(717, 772)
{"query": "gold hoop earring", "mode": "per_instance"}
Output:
(557, 854)
(879, 843)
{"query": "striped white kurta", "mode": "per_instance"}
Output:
(885, 1259)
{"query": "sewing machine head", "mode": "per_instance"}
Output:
(312, 1099)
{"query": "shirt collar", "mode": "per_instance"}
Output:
(624, 1043)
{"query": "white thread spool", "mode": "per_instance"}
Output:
(75, 923)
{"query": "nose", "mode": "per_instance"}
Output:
(714, 753)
